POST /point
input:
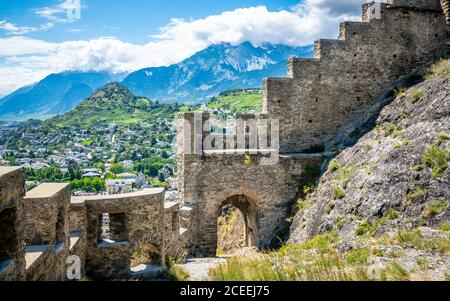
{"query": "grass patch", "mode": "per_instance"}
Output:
(435, 208)
(391, 130)
(334, 165)
(370, 228)
(295, 263)
(87, 142)
(358, 256)
(417, 95)
(415, 239)
(415, 195)
(247, 101)
(443, 137)
(437, 159)
(396, 272)
(177, 273)
(441, 68)
(400, 92)
(338, 193)
(418, 168)
(445, 227)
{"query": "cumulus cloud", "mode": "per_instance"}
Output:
(25, 60)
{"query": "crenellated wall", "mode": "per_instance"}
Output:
(349, 75)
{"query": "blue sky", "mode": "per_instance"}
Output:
(40, 37)
(131, 20)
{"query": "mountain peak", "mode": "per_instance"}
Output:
(218, 68)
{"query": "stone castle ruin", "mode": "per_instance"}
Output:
(45, 234)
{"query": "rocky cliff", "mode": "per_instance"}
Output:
(395, 177)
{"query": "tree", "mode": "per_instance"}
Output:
(117, 168)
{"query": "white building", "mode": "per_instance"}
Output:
(91, 173)
(119, 186)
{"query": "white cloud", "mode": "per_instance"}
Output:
(66, 11)
(13, 29)
(25, 60)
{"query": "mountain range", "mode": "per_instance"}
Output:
(55, 94)
(216, 69)
(206, 74)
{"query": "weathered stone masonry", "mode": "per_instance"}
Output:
(320, 97)
(41, 229)
(349, 75)
(12, 246)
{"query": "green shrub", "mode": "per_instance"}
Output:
(358, 256)
(417, 95)
(338, 193)
(437, 159)
(399, 92)
(363, 228)
(392, 130)
(176, 272)
(443, 137)
(334, 165)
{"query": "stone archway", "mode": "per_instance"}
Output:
(237, 225)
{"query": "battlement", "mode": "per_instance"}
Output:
(350, 74)
(202, 134)
(53, 227)
(419, 4)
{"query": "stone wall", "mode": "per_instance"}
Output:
(46, 230)
(46, 213)
(320, 96)
(210, 179)
(137, 220)
(349, 75)
(12, 247)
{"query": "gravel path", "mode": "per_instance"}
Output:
(198, 268)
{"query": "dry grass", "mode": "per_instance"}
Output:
(441, 68)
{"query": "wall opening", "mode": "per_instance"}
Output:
(236, 225)
(118, 227)
(103, 231)
(174, 221)
(145, 255)
(59, 228)
(8, 234)
(113, 227)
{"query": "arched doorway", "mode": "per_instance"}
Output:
(236, 225)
